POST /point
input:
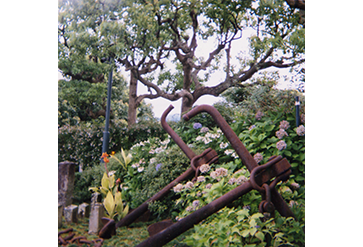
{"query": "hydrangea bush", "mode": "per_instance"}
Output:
(157, 162)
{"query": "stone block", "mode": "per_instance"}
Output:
(83, 210)
(95, 223)
(66, 172)
(70, 213)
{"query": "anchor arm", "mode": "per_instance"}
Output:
(237, 145)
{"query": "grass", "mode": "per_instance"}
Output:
(125, 236)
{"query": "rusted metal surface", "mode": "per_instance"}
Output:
(188, 222)
(71, 239)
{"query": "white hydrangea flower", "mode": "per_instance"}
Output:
(241, 180)
(223, 145)
(189, 185)
(204, 168)
(178, 188)
(208, 186)
(232, 181)
(201, 179)
(300, 130)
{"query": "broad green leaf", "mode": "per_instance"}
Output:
(118, 202)
(253, 230)
(111, 180)
(245, 233)
(105, 182)
(260, 236)
(109, 204)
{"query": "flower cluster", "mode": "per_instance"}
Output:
(178, 188)
(209, 137)
(252, 127)
(231, 152)
(259, 115)
(189, 185)
(158, 166)
(197, 126)
(219, 173)
(281, 145)
(258, 157)
(300, 130)
(204, 168)
(204, 130)
(223, 145)
(281, 133)
(138, 165)
(284, 125)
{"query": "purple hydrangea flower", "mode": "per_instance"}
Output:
(284, 125)
(281, 133)
(197, 126)
(258, 157)
(300, 130)
(158, 166)
(281, 145)
(259, 115)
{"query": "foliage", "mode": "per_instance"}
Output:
(162, 163)
(169, 32)
(110, 188)
(240, 227)
(157, 162)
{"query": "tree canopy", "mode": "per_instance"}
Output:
(157, 43)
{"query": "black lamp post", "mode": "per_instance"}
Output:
(106, 133)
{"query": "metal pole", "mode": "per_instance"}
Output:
(106, 133)
(297, 111)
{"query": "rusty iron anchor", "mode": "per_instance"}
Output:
(207, 157)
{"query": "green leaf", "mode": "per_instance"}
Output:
(260, 236)
(111, 182)
(118, 202)
(269, 127)
(105, 181)
(245, 233)
(253, 230)
(109, 204)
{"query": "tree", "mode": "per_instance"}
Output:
(278, 42)
(150, 37)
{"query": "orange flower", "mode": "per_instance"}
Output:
(113, 153)
(106, 160)
(104, 155)
(118, 181)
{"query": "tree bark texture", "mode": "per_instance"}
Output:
(132, 100)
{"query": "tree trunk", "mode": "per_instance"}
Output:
(186, 105)
(131, 120)
(187, 81)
